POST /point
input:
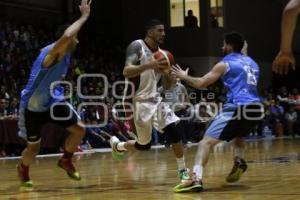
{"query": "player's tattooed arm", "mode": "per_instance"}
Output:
(132, 66)
(133, 53)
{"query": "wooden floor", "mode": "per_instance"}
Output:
(274, 173)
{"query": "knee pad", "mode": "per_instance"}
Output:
(142, 147)
(173, 133)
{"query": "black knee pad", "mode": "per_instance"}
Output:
(173, 133)
(143, 147)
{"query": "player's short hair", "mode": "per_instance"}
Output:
(236, 40)
(152, 23)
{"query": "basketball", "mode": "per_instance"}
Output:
(168, 56)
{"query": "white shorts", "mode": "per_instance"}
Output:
(148, 115)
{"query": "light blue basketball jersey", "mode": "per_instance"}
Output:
(36, 96)
(241, 79)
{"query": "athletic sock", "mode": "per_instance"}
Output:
(180, 163)
(198, 170)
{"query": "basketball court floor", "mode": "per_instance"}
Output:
(273, 173)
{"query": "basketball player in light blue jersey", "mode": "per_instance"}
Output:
(37, 103)
(239, 114)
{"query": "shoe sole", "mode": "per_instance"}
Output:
(193, 188)
(26, 188)
(71, 176)
(235, 176)
(117, 156)
(27, 185)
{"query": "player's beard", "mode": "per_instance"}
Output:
(225, 52)
(161, 41)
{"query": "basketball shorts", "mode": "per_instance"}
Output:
(30, 123)
(235, 121)
(148, 115)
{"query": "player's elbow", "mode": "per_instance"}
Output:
(67, 35)
(200, 84)
(125, 73)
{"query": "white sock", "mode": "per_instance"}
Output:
(198, 170)
(239, 152)
(121, 146)
(180, 163)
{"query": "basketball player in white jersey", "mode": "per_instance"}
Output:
(285, 58)
(148, 109)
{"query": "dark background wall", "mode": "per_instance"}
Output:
(259, 21)
(49, 12)
(136, 13)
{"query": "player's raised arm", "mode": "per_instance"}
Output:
(67, 42)
(285, 58)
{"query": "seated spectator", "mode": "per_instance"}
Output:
(202, 114)
(295, 97)
(2, 151)
(13, 109)
(97, 137)
(282, 93)
(276, 117)
(291, 118)
(3, 92)
(120, 129)
(3, 109)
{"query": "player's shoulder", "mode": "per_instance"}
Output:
(136, 43)
(48, 47)
(45, 50)
(135, 46)
(226, 59)
(250, 60)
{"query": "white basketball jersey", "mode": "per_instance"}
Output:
(147, 89)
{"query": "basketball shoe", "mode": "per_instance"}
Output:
(183, 175)
(239, 167)
(67, 165)
(118, 155)
(23, 174)
(194, 184)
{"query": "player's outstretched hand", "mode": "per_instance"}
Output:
(283, 62)
(178, 72)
